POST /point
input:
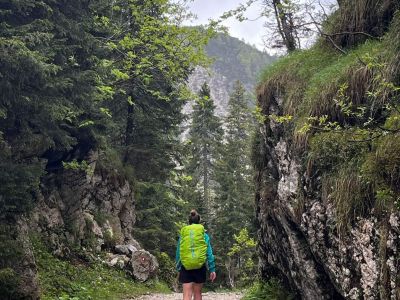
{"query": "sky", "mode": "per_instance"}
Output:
(252, 32)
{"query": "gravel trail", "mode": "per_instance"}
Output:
(206, 296)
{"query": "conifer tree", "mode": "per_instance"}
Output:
(49, 79)
(205, 137)
(234, 205)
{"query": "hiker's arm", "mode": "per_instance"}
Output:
(210, 255)
(178, 256)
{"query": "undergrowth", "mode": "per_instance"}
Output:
(77, 279)
(270, 290)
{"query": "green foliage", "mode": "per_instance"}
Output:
(351, 195)
(10, 256)
(205, 135)
(78, 76)
(18, 185)
(167, 272)
(311, 79)
(293, 72)
(62, 279)
(159, 208)
(344, 113)
(9, 284)
(243, 252)
(242, 243)
(325, 84)
(257, 152)
(258, 115)
(271, 290)
(100, 218)
(331, 149)
(10, 247)
(303, 63)
(381, 168)
(234, 206)
(49, 77)
(383, 165)
(75, 165)
(376, 16)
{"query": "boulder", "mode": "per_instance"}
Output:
(117, 260)
(132, 248)
(122, 249)
(144, 265)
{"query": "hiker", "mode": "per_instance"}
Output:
(193, 253)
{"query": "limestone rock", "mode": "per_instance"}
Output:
(132, 248)
(95, 208)
(298, 238)
(117, 260)
(122, 249)
(26, 267)
(144, 265)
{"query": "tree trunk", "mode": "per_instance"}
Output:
(286, 29)
(129, 124)
(231, 272)
(206, 186)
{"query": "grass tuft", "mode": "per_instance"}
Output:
(351, 196)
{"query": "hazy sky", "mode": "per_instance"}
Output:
(251, 31)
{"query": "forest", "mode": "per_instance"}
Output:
(297, 182)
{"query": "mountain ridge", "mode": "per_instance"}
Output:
(233, 60)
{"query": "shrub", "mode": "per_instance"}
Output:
(167, 271)
(329, 150)
(270, 290)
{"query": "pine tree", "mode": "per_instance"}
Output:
(205, 136)
(49, 86)
(234, 206)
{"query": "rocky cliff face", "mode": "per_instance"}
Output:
(219, 88)
(327, 197)
(298, 238)
(92, 210)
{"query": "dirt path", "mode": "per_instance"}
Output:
(206, 296)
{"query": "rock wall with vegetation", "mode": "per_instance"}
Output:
(78, 214)
(93, 208)
(90, 108)
(327, 159)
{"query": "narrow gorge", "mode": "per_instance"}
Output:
(117, 119)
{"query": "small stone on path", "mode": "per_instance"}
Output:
(206, 296)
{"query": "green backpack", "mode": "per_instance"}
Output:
(193, 247)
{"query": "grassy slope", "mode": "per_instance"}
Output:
(310, 83)
(65, 279)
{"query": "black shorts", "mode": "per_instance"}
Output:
(196, 276)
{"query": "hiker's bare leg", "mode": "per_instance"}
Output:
(197, 290)
(187, 291)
